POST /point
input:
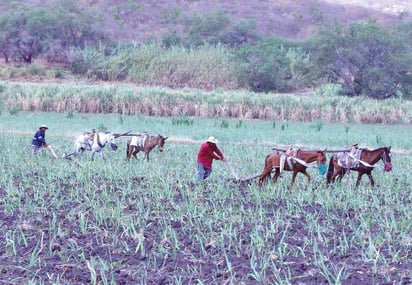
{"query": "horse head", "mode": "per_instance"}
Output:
(101, 139)
(112, 141)
(386, 158)
(161, 142)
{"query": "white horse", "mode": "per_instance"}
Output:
(84, 142)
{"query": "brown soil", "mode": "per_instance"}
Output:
(64, 254)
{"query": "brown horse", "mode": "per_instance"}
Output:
(365, 164)
(139, 143)
(299, 164)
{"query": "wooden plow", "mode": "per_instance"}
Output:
(235, 177)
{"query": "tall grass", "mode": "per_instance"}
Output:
(132, 100)
(177, 67)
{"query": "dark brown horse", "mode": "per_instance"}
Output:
(299, 164)
(367, 160)
(145, 144)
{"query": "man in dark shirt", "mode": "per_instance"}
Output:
(208, 151)
(39, 140)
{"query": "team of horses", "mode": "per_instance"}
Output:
(96, 142)
(279, 161)
(299, 162)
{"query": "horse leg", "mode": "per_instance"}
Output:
(309, 178)
(129, 151)
(371, 179)
(263, 175)
(358, 180)
(339, 173)
(136, 150)
(129, 155)
(333, 177)
(147, 154)
(78, 153)
(276, 176)
(92, 156)
(293, 179)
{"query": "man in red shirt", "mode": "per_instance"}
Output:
(208, 151)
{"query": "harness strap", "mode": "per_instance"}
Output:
(361, 161)
(300, 161)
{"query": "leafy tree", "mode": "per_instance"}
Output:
(213, 28)
(264, 66)
(241, 33)
(8, 30)
(366, 59)
(201, 29)
(35, 28)
(26, 32)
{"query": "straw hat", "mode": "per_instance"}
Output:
(43, 127)
(212, 140)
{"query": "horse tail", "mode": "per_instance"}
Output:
(330, 170)
(265, 172)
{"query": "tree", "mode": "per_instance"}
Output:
(7, 36)
(366, 59)
(238, 34)
(264, 66)
(26, 32)
(34, 29)
(201, 29)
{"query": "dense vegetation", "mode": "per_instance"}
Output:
(212, 51)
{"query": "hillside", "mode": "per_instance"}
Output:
(284, 18)
(289, 19)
